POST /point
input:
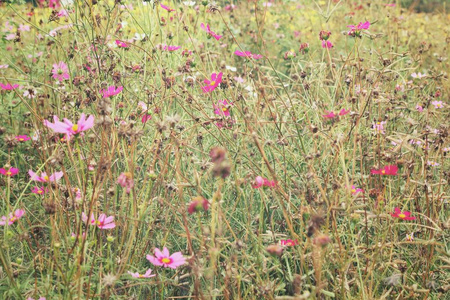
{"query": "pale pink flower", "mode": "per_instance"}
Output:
(223, 108)
(68, 128)
(437, 104)
(44, 177)
(167, 8)
(12, 217)
(104, 222)
(60, 71)
(147, 274)
(125, 180)
(378, 127)
(23, 27)
(163, 258)
(419, 108)
(418, 75)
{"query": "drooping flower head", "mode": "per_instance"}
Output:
(60, 71)
(198, 204)
(8, 86)
(11, 172)
(212, 84)
(387, 170)
(406, 215)
(111, 91)
(261, 181)
(355, 30)
(125, 180)
(44, 177)
(12, 217)
(356, 190)
(163, 258)
(288, 242)
(121, 44)
(147, 274)
(210, 32)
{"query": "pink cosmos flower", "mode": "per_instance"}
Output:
(167, 8)
(44, 177)
(343, 112)
(327, 44)
(198, 204)
(378, 127)
(39, 190)
(216, 79)
(60, 71)
(329, 115)
(121, 44)
(22, 138)
(70, 129)
(288, 243)
(418, 75)
(406, 215)
(104, 222)
(247, 54)
(438, 104)
(387, 170)
(355, 30)
(166, 260)
(23, 27)
(261, 181)
(170, 48)
(111, 91)
(391, 5)
(355, 190)
(8, 87)
(11, 172)
(210, 32)
(433, 163)
(125, 180)
(223, 108)
(147, 274)
(419, 108)
(12, 217)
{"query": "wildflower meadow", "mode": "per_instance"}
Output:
(274, 149)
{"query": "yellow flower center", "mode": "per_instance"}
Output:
(224, 109)
(13, 219)
(383, 172)
(39, 192)
(75, 127)
(46, 178)
(141, 276)
(21, 139)
(353, 191)
(165, 260)
(212, 83)
(8, 173)
(401, 216)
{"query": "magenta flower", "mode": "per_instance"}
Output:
(91, 220)
(327, 44)
(8, 87)
(44, 177)
(147, 274)
(60, 71)
(261, 181)
(216, 79)
(170, 48)
(343, 112)
(166, 8)
(329, 115)
(121, 44)
(223, 108)
(166, 260)
(104, 222)
(210, 32)
(247, 54)
(355, 190)
(355, 30)
(406, 215)
(70, 129)
(288, 243)
(12, 217)
(387, 170)
(111, 91)
(39, 190)
(22, 138)
(11, 172)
